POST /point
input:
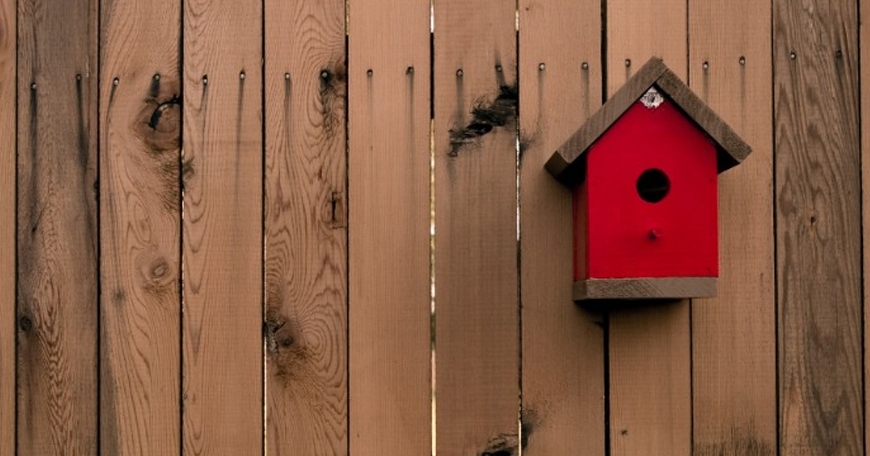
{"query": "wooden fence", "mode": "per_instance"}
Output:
(215, 230)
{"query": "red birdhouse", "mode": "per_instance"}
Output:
(644, 170)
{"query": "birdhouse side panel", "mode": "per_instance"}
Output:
(652, 202)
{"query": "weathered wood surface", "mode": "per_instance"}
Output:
(818, 227)
(562, 344)
(7, 225)
(734, 336)
(390, 383)
(222, 253)
(652, 288)
(140, 219)
(306, 228)
(650, 365)
(476, 303)
(864, 37)
(57, 235)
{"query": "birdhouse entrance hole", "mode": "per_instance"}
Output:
(653, 185)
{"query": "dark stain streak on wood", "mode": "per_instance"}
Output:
(286, 352)
(80, 124)
(35, 174)
(159, 110)
(333, 91)
(508, 444)
(158, 126)
(486, 115)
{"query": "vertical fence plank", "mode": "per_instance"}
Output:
(7, 227)
(57, 276)
(562, 345)
(864, 84)
(476, 342)
(140, 217)
(734, 336)
(390, 392)
(306, 228)
(650, 377)
(818, 226)
(222, 218)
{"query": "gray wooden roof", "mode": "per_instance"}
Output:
(568, 163)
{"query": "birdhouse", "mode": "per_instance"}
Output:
(644, 170)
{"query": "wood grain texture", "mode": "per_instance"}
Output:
(140, 220)
(645, 288)
(734, 336)
(865, 189)
(57, 236)
(650, 365)
(7, 225)
(222, 219)
(818, 227)
(476, 304)
(390, 386)
(562, 345)
(306, 228)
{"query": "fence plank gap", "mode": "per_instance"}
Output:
(306, 228)
(477, 344)
(57, 235)
(734, 336)
(562, 344)
(222, 218)
(390, 388)
(650, 365)
(7, 226)
(140, 217)
(818, 226)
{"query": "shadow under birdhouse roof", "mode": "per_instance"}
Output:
(567, 164)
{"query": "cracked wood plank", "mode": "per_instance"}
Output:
(306, 228)
(476, 303)
(140, 215)
(57, 237)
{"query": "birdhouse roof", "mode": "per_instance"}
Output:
(568, 162)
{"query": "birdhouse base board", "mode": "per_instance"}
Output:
(645, 288)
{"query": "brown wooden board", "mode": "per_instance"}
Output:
(57, 235)
(389, 318)
(476, 301)
(562, 344)
(7, 226)
(140, 220)
(818, 227)
(864, 37)
(650, 373)
(306, 228)
(734, 336)
(644, 288)
(222, 253)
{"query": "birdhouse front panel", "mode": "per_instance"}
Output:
(651, 203)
